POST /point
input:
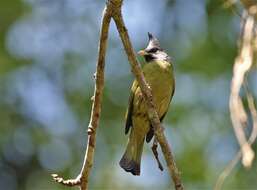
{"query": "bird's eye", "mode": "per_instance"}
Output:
(153, 50)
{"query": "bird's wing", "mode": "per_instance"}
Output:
(130, 107)
(150, 133)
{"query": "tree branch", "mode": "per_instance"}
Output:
(146, 91)
(113, 9)
(82, 179)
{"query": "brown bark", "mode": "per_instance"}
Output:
(113, 10)
(83, 177)
(146, 90)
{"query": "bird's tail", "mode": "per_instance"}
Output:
(131, 159)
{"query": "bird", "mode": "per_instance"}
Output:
(159, 74)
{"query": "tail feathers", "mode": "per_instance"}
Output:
(131, 159)
(130, 165)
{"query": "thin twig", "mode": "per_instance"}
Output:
(228, 169)
(82, 179)
(146, 91)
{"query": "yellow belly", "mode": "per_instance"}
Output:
(159, 75)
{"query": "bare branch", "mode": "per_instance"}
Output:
(146, 90)
(113, 9)
(82, 179)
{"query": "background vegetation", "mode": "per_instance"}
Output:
(48, 54)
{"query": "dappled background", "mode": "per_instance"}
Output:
(48, 52)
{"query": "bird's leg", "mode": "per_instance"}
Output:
(155, 152)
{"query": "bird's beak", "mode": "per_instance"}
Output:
(142, 52)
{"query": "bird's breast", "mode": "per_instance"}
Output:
(159, 75)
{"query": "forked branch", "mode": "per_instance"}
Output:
(113, 10)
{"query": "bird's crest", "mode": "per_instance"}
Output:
(153, 42)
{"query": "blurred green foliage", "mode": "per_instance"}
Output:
(48, 53)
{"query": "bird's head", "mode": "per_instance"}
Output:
(153, 51)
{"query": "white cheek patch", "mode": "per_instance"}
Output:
(162, 56)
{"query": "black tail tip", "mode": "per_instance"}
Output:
(130, 165)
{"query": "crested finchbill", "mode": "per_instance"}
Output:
(158, 72)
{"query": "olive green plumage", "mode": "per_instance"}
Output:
(158, 72)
